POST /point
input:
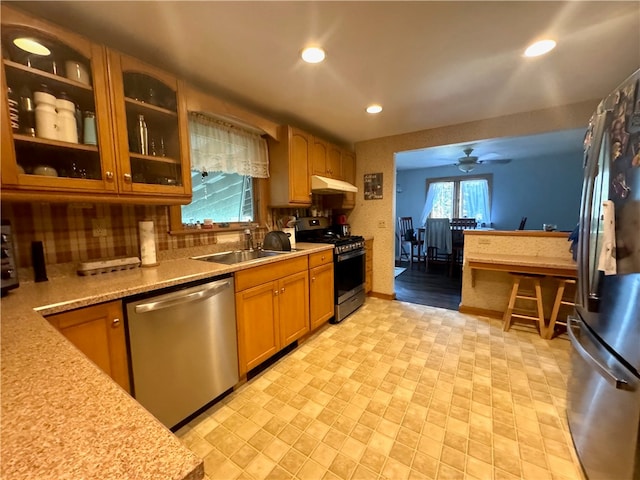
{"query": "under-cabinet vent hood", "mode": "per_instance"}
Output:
(330, 185)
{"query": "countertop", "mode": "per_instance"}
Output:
(61, 416)
(524, 260)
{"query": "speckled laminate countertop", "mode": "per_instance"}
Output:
(61, 416)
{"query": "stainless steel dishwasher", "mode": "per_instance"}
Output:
(183, 348)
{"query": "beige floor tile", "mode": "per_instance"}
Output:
(398, 391)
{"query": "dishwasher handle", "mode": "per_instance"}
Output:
(178, 298)
(616, 381)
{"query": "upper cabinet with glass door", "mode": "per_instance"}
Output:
(151, 130)
(55, 112)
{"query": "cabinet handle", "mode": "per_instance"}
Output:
(313, 279)
(115, 322)
(109, 175)
(276, 293)
(282, 290)
(127, 177)
(322, 257)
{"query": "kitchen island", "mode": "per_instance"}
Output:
(63, 417)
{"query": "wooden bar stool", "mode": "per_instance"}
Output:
(518, 292)
(561, 300)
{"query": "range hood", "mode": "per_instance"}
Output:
(330, 185)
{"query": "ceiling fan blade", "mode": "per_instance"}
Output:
(498, 161)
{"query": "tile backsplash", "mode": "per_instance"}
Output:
(66, 231)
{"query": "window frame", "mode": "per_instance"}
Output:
(456, 187)
(260, 191)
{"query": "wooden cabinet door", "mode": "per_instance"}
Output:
(98, 332)
(162, 166)
(78, 168)
(321, 303)
(334, 158)
(299, 179)
(318, 157)
(294, 307)
(258, 330)
(349, 173)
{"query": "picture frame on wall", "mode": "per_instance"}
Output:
(373, 186)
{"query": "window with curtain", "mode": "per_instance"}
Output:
(456, 197)
(224, 161)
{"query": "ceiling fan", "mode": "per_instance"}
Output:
(469, 162)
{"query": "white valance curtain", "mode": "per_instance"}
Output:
(221, 147)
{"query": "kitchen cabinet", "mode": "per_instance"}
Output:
(368, 276)
(289, 182)
(321, 293)
(84, 166)
(272, 309)
(154, 157)
(326, 159)
(75, 168)
(98, 332)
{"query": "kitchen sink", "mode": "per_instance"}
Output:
(239, 256)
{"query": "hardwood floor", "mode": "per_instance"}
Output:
(434, 288)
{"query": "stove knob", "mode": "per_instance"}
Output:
(7, 274)
(4, 253)
(5, 238)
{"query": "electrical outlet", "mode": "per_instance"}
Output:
(382, 224)
(99, 226)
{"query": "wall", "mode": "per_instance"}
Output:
(545, 190)
(67, 233)
(376, 218)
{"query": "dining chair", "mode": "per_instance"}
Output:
(438, 241)
(411, 237)
(458, 225)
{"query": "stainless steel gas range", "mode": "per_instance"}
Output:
(348, 262)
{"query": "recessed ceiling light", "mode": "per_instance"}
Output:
(313, 55)
(31, 45)
(539, 48)
(374, 109)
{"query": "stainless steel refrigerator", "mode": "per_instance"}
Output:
(603, 404)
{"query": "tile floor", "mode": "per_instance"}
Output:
(398, 391)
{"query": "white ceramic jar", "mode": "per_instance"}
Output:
(67, 125)
(46, 115)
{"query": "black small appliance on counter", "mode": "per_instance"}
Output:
(9, 268)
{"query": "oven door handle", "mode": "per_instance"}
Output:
(349, 255)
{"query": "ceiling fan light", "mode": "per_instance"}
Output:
(466, 167)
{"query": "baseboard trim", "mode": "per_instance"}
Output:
(383, 296)
(481, 312)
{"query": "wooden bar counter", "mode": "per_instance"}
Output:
(489, 256)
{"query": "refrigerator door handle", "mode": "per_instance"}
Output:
(608, 375)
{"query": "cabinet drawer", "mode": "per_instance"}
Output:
(270, 272)
(320, 258)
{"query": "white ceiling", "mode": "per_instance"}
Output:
(429, 64)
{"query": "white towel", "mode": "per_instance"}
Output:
(607, 259)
